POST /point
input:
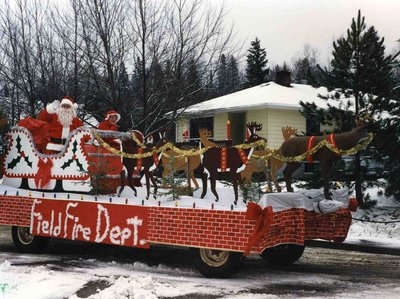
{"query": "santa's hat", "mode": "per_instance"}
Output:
(69, 101)
(112, 112)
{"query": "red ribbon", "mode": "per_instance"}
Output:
(332, 141)
(243, 156)
(264, 217)
(309, 147)
(139, 160)
(224, 159)
(42, 177)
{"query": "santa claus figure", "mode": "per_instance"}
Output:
(62, 119)
(110, 124)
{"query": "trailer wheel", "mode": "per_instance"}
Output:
(283, 254)
(26, 242)
(216, 263)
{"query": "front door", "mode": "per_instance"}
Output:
(238, 127)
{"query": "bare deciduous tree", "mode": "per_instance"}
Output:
(148, 59)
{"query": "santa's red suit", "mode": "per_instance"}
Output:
(107, 125)
(58, 132)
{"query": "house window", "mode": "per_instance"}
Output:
(201, 123)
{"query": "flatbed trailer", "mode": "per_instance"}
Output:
(219, 239)
(44, 197)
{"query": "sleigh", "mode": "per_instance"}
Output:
(81, 167)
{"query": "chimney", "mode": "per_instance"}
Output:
(283, 78)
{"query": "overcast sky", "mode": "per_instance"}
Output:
(284, 26)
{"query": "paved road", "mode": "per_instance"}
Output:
(320, 272)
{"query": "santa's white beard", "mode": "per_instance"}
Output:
(66, 116)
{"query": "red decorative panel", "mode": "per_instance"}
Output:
(90, 221)
(225, 230)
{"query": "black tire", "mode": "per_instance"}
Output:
(27, 243)
(283, 254)
(216, 263)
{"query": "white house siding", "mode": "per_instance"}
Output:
(181, 124)
(220, 120)
(282, 118)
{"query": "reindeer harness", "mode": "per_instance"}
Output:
(139, 161)
(224, 158)
(310, 145)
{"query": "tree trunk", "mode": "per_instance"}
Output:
(358, 180)
(357, 170)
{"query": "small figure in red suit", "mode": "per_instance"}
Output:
(185, 135)
(110, 124)
(62, 119)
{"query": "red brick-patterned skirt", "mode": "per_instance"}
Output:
(189, 227)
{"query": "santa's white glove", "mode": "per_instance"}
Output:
(52, 107)
(96, 143)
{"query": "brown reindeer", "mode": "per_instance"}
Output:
(255, 165)
(227, 159)
(147, 164)
(298, 145)
(204, 134)
(172, 161)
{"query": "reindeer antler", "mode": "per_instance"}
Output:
(363, 117)
(254, 126)
(287, 132)
(204, 132)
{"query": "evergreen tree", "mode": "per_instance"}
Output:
(233, 75)
(228, 78)
(222, 76)
(123, 82)
(256, 70)
(193, 83)
(358, 69)
(211, 90)
(387, 139)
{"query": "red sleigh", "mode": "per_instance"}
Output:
(81, 167)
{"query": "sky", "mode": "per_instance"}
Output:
(285, 26)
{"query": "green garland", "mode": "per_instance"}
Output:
(260, 143)
(276, 155)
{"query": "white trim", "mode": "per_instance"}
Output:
(250, 153)
(241, 168)
(154, 166)
(65, 132)
(54, 147)
(116, 114)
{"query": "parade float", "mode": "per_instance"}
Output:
(63, 196)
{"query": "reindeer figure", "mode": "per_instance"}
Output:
(204, 134)
(179, 164)
(190, 163)
(227, 159)
(298, 145)
(273, 164)
(148, 164)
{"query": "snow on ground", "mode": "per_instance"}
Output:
(387, 234)
(140, 281)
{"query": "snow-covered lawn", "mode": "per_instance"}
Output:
(31, 276)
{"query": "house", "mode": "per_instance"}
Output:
(273, 104)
